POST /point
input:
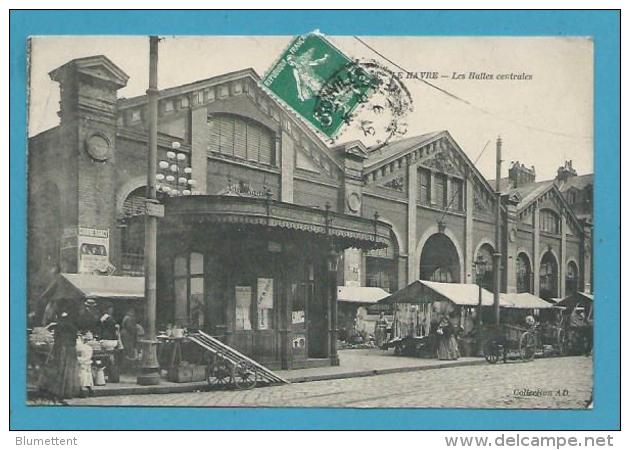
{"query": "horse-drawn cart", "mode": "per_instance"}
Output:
(525, 342)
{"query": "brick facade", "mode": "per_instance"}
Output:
(82, 172)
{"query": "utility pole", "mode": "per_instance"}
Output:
(497, 237)
(150, 368)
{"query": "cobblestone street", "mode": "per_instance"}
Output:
(545, 383)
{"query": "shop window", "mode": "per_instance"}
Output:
(264, 303)
(425, 186)
(549, 221)
(243, 296)
(180, 286)
(188, 287)
(240, 138)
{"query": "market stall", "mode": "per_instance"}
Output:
(354, 311)
(419, 307)
(85, 298)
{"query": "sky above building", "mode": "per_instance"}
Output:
(543, 120)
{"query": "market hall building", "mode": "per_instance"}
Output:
(278, 219)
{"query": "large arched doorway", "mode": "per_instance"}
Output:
(572, 278)
(439, 260)
(485, 252)
(548, 276)
(523, 273)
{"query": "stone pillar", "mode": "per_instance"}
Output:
(468, 232)
(536, 254)
(403, 262)
(511, 244)
(562, 270)
(287, 161)
(199, 138)
(412, 218)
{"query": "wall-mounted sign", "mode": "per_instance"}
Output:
(242, 189)
(352, 267)
(93, 247)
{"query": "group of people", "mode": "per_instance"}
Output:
(68, 371)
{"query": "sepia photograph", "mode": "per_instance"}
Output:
(310, 221)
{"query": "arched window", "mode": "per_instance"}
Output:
(572, 278)
(132, 233)
(382, 267)
(548, 276)
(243, 139)
(549, 221)
(523, 273)
(486, 251)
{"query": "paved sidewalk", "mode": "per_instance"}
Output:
(353, 363)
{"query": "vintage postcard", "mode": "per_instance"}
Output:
(311, 220)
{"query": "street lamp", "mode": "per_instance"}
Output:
(480, 271)
(174, 176)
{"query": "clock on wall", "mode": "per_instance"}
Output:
(98, 147)
(354, 202)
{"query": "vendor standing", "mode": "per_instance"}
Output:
(129, 334)
(107, 325)
(380, 330)
(88, 317)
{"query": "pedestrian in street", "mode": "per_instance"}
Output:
(380, 330)
(447, 348)
(61, 377)
(129, 334)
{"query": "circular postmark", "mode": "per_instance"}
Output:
(370, 99)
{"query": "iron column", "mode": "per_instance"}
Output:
(496, 257)
(150, 368)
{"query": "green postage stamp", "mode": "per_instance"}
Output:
(319, 82)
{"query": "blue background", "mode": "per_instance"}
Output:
(603, 26)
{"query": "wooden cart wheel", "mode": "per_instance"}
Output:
(491, 351)
(244, 375)
(527, 346)
(219, 374)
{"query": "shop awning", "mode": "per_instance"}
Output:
(240, 212)
(421, 291)
(524, 300)
(83, 286)
(360, 294)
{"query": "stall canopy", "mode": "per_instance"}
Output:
(524, 300)
(360, 294)
(422, 291)
(576, 299)
(82, 286)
